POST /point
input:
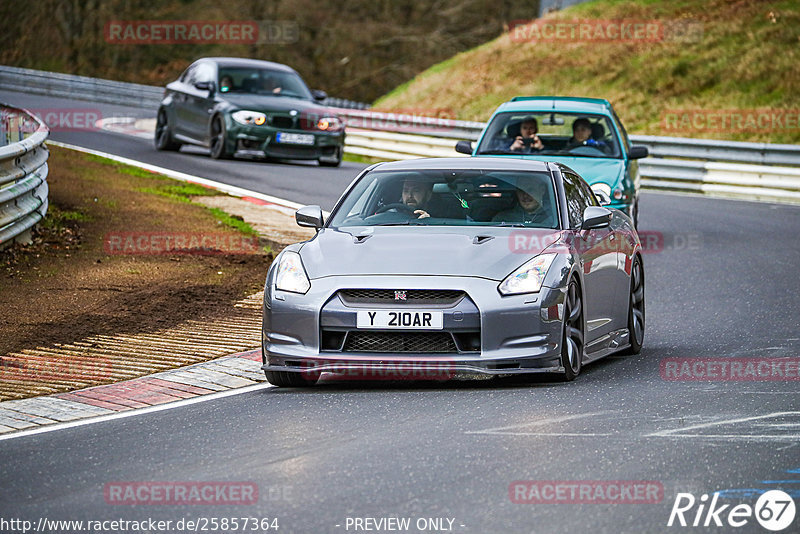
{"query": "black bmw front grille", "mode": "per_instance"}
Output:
(402, 342)
(438, 297)
(282, 122)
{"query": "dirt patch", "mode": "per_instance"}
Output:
(70, 284)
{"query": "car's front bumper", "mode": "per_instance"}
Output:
(518, 334)
(264, 139)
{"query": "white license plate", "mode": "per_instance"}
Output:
(407, 319)
(294, 139)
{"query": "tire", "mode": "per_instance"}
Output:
(572, 337)
(219, 139)
(332, 162)
(163, 137)
(286, 379)
(636, 315)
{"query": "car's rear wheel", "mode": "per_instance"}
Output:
(572, 341)
(291, 380)
(219, 139)
(163, 136)
(636, 317)
(333, 161)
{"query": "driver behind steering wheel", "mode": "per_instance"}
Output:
(416, 196)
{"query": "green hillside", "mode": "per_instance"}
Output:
(727, 60)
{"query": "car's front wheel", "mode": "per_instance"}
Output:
(332, 161)
(219, 139)
(572, 337)
(285, 379)
(163, 136)
(636, 308)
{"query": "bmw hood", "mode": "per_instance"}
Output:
(485, 252)
(271, 104)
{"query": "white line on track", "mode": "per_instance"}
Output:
(183, 177)
(133, 413)
(551, 420)
(681, 432)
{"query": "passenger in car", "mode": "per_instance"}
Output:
(522, 137)
(530, 206)
(225, 84)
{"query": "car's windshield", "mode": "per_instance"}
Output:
(551, 133)
(262, 82)
(450, 197)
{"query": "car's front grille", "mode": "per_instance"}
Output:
(401, 342)
(282, 122)
(438, 297)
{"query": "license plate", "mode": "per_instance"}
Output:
(294, 139)
(407, 319)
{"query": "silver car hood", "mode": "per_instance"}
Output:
(486, 252)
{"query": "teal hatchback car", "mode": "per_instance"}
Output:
(584, 134)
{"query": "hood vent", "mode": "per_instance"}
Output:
(481, 239)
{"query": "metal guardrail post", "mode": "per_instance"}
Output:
(23, 178)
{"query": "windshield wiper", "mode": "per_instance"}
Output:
(496, 152)
(510, 225)
(403, 223)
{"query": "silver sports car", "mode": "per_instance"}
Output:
(438, 268)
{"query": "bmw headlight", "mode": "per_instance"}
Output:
(249, 117)
(290, 274)
(602, 192)
(528, 278)
(330, 124)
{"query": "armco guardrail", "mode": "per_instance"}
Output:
(98, 90)
(23, 174)
(722, 168)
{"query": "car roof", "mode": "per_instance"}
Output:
(463, 164)
(245, 62)
(557, 103)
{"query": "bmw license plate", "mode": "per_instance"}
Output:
(406, 319)
(294, 139)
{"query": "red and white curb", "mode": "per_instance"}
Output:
(230, 374)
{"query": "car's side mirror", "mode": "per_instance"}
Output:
(310, 216)
(638, 152)
(602, 197)
(205, 86)
(595, 217)
(319, 95)
(464, 147)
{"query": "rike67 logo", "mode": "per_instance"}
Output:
(774, 510)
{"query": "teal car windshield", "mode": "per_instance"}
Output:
(549, 133)
(450, 198)
(262, 82)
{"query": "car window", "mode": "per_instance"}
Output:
(263, 82)
(556, 132)
(576, 201)
(625, 139)
(440, 198)
(586, 192)
(189, 75)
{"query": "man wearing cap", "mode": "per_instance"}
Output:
(530, 207)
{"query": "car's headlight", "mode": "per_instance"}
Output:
(291, 276)
(330, 124)
(602, 192)
(529, 277)
(249, 117)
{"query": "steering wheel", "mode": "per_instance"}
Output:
(400, 206)
(585, 149)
